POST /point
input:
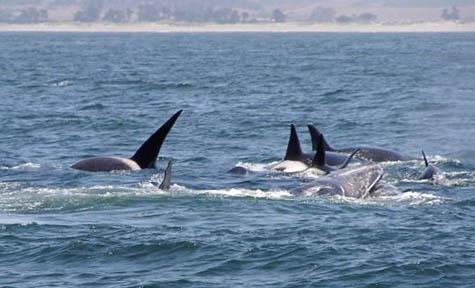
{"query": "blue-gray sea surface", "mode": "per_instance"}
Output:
(68, 96)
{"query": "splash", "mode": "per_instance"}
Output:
(255, 167)
(28, 165)
(63, 83)
(241, 192)
(411, 198)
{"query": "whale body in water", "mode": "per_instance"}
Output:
(430, 171)
(296, 160)
(145, 157)
(374, 154)
(357, 182)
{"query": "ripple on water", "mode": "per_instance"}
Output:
(102, 94)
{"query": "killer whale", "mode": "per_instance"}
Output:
(374, 154)
(238, 170)
(430, 171)
(319, 160)
(295, 159)
(167, 178)
(145, 157)
(299, 160)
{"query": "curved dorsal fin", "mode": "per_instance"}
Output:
(146, 155)
(319, 158)
(348, 159)
(167, 178)
(314, 134)
(293, 148)
(425, 159)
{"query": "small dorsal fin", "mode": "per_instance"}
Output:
(293, 148)
(167, 178)
(314, 134)
(348, 159)
(425, 159)
(319, 158)
(371, 187)
(147, 154)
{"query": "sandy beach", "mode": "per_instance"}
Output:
(254, 27)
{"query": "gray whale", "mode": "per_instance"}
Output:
(358, 182)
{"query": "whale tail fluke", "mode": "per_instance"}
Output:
(167, 178)
(314, 134)
(425, 158)
(293, 148)
(147, 154)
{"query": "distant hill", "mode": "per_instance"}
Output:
(235, 11)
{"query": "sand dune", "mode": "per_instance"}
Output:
(259, 27)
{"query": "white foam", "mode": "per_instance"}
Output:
(28, 165)
(63, 83)
(255, 167)
(451, 179)
(446, 179)
(417, 198)
(411, 198)
(9, 185)
(241, 192)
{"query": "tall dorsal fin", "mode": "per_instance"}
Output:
(425, 159)
(348, 159)
(167, 178)
(314, 134)
(319, 158)
(293, 148)
(147, 154)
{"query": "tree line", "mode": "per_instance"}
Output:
(95, 12)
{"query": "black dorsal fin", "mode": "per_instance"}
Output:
(425, 159)
(319, 158)
(293, 148)
(348, 159)
(314, 134)
(147, 154)
(167, 178)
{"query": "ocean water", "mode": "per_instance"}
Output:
(68, 96)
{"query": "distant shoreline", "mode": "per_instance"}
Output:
(251, 27)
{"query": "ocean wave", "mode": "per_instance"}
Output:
(446, 179)
(241, 192)
(97, 106)
(28, 165)
(37, 199)
(411, 198)
(63, 83)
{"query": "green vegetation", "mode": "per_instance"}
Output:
(198, 11)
